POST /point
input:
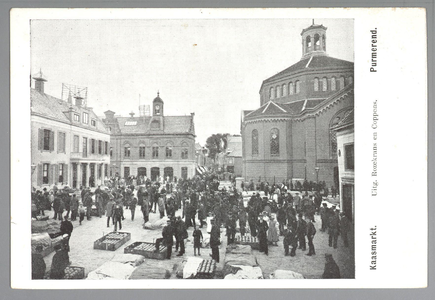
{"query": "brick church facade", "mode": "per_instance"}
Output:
(290, 136)
(156, 146)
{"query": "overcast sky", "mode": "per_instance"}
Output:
(211, 67)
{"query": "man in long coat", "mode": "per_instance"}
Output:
(215, 236)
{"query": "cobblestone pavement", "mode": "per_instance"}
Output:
(82, 253)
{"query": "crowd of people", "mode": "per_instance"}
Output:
(278, 211)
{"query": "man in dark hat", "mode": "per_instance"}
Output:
(38, 264)
(311, 231)
(301, 231)
(59, 263)
(168, 240)
(324, 211)
(215, 240)
(331, 268)
(334, 227)
(180, 235)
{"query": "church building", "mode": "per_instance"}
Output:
(156, 146)
(290, 136)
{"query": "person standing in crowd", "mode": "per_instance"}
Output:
(297, 202)
(230, 229)
(272, 233)
(145, 207)
(109, 211)
(74, 207)
(56, 205)
(67, 203)
(201, 215)
(180, 235)
(311, 231)
(38, 264)
(301, 230)
(87, 202)
(282, 218)
(252, 219)
(324, 215)
(118, 215)
(133, 203)
(168, 238)
(215, 241)
(334, 227)
(242, 220)
(59, 263)
(82, 212)
(197, 240)
(331, 270)
(161, 204)
(344, 229)
(66, 228)
(262, 228)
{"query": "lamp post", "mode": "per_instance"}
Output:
(317, 176)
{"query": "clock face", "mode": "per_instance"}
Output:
(157, 107)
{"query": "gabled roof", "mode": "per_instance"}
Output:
(56, 109)
(310, 63)
(270, 108)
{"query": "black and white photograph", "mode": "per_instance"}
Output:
(204, 149)
(216, 144)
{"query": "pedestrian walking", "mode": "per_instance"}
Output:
(118, 215)
(133, 203)
(311, 232)
(197, 240)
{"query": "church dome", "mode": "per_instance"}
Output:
(158, 99)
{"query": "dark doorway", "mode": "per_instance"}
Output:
(92, 177)
(74, 174)
(348, 195)
(155, 173)
(184, 172)
(142, 171)
(126, 172)
(84, 174)
(168, 172)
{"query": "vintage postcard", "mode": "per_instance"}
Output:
(169, 144)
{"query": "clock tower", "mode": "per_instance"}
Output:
(158, 106)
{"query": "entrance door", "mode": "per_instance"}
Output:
(92, 178)
(155, 173)
(142, 171)
(168, 172)
(84, 174)
(348, 200)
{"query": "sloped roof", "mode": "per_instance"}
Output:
(171, 125)
(56, 109)
(346, 121)
(310, 63)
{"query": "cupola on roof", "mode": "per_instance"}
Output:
(313, 40)
(158, 99)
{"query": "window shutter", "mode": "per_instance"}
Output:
(65, 173)
(40, 139)
(59, 142)
(39, 175)
(50, 174)
(51, 140)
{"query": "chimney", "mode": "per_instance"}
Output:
(110, 115)
(79, 101)
(39, 81)
(69, 98)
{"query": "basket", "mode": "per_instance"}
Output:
(146, 249)
(206, 269)
(73, 272)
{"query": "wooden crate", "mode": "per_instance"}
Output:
(209, 273)
(73, 272)
(112, 241)
(248, 240)
(146, 249)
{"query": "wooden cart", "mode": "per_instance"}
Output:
(147, 249)
(112, 241)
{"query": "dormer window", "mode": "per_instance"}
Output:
(77, 117)
(85, 118)
(93, 122)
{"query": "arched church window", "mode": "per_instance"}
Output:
(254, 142)
(271, 93)
(284, 90)
(341, 82)
(324, 42)
(184, 151)
(274, 142)
(350, 80)
(333, 84)
(316, 41)
(316, 84)
(291, 88)
(298, 87)
(278, 91)
(324, 84)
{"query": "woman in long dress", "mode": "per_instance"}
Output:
(272, 234)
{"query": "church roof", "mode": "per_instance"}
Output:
(141, 125)
(296, 108)
(57, 109)
(311, 63)
(346, 121)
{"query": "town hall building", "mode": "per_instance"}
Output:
(291, 135)
(156, 146)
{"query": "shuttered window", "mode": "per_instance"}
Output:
(45, 139)
(61, 142)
